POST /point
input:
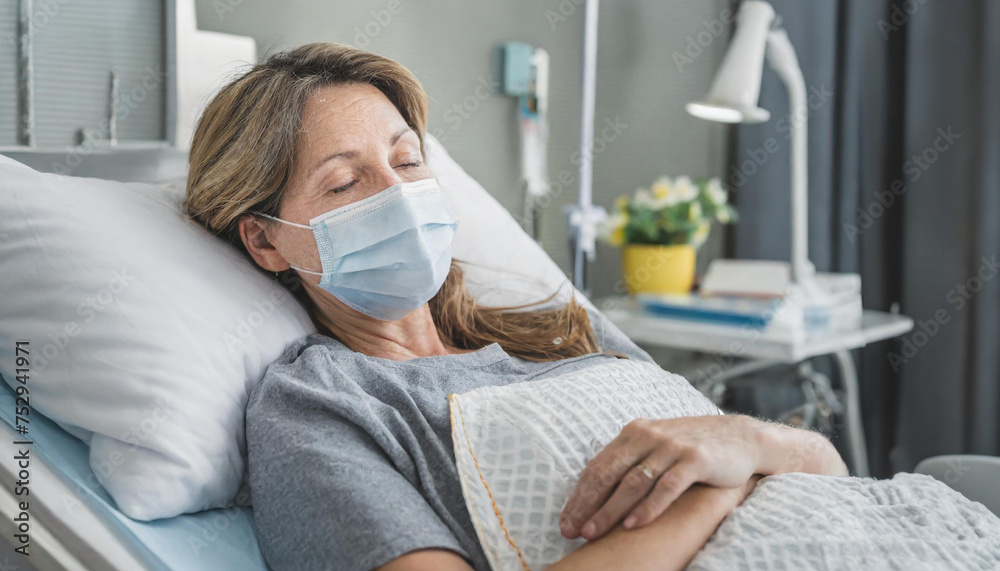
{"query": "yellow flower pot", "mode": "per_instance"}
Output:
(658, 269)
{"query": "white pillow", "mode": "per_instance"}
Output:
(147, 333)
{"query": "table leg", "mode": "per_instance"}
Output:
(714, 386)
(855, 426)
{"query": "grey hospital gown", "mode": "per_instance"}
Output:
(351, 459)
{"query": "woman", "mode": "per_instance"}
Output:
(312, 164)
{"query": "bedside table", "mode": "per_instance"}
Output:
(754, 350)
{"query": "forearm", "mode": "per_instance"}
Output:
(668, 542)
(788, 449)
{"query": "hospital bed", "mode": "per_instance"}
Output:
(74, 523)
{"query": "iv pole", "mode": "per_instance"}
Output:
(584, 217)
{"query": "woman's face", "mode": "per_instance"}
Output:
(354, 144)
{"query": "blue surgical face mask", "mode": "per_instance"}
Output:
(388, 254)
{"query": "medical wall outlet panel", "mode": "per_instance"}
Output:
(525, 73)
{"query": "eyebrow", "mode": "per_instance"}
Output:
(349, 154)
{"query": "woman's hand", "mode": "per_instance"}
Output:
(652, 462)
(670, 541)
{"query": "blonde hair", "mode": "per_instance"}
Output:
(243, 154)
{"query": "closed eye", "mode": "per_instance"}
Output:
(345, 187)
(353, 182)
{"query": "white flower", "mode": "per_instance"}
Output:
(612, 226)
(662, 187)
(662, 193)
(685, 190)
(716, 193)
(643, 198)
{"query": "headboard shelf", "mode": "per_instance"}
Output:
(138, 73)
(150, 164)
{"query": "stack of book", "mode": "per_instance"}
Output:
(760, 295)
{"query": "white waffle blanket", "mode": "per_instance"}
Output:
(804, 521)
(520, 449)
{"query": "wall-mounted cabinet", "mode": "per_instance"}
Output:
(73, 71)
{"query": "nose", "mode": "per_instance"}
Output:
(385, 177)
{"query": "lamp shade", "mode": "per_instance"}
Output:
(736, 88)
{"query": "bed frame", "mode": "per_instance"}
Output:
(64, 536)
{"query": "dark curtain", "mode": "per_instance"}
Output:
(904, 175)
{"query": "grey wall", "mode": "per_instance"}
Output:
(449, 45)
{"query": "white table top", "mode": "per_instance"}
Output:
(766, 344)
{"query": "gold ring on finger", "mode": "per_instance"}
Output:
(646, 471)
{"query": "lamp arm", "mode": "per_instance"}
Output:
(781, 57)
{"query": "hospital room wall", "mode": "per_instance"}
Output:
(653, 57)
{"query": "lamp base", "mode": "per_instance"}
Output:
(829, 301)
(804, 276)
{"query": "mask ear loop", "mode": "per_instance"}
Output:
(276, 219)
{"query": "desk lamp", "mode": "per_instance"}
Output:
(733, 99)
